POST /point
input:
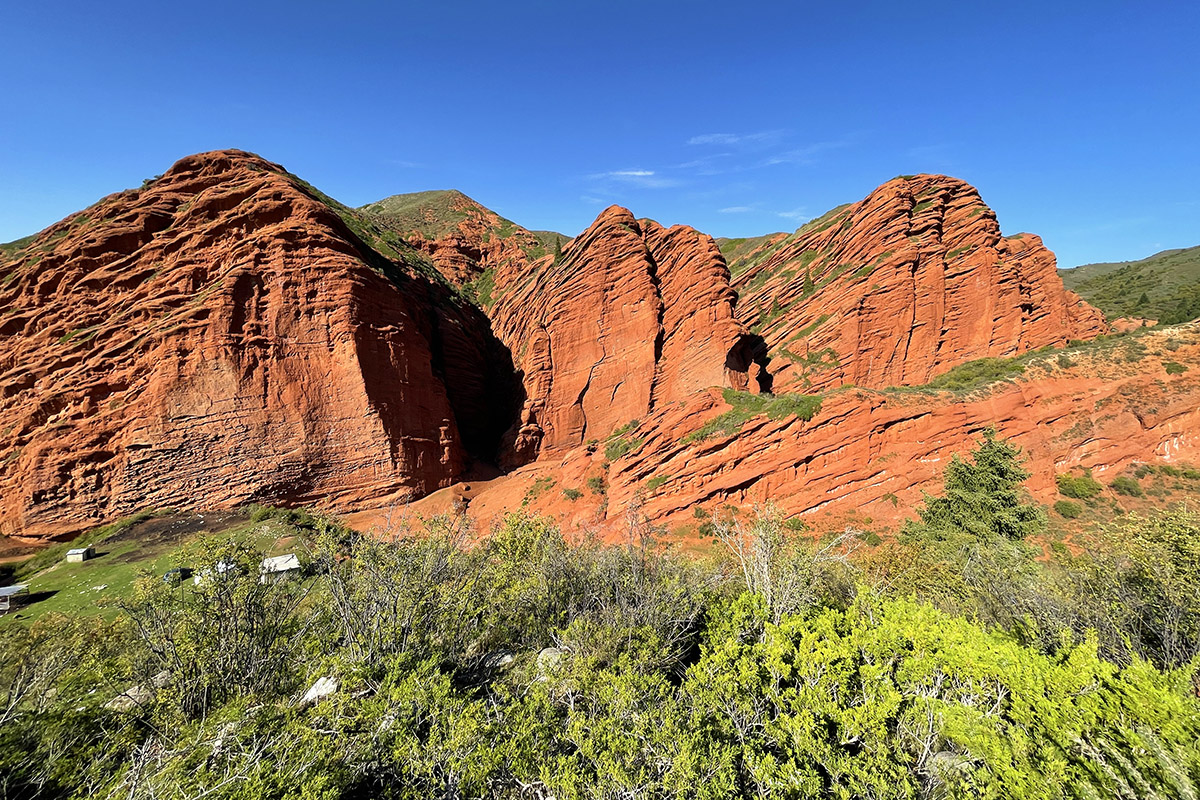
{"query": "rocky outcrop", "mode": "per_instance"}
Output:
(870, 453)
(228, 334)
(632, 317)
(902, 286)
(1127, 324)
(225, 335)
(471, 245)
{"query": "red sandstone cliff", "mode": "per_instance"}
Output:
(902, 286)
(222, 336)
(228, 334)
(873, 452)
(632, 317)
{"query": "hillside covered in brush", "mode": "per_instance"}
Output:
(1164, 287)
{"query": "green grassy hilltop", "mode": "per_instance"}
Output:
(1164, 287)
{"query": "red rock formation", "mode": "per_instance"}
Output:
(902, 286)
(872, 452)
(631, 318)
(222, 336)
(462, 238)
(228, 334)
(1127, 324)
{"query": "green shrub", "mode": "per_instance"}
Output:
(597, 484)
(982, 496)
(619, 447)
(746, 406)
(657, 481)
(1080, 488)
(875, 669)
(585, 670)
(1068, 509)
(976, 374)
(572, 494)
(1134, 351)
(619, 442)
(537, 489)
(1123, 484)
(1174, 368)
(1135, 587)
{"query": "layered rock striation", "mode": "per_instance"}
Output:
(631, 317)
(902, 286)
(223, 335)
(228, 334)
(871, 453)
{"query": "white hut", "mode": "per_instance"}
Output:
(279, 568)
(81, 554)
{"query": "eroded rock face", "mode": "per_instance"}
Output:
(872, 453)
(222, 336)
(903, 286)
(632, 317)
(227, 334)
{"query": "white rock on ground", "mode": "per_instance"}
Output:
(320, 690)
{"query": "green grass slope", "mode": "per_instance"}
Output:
(1165, 286)
(146, 543)
(437, 213)
(432, 214)
(741, 254)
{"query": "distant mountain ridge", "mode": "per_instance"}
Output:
(1163, 287)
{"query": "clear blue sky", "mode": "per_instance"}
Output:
(1077, 121)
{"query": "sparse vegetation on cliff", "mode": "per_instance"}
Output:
(746, 406)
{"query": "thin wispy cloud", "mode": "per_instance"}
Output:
(644, 178)
(796, 215)
(807, 154)
(744, 152)
(730, 139)
(735, 210)
(705, 162)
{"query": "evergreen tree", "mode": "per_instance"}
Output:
(983, 496)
